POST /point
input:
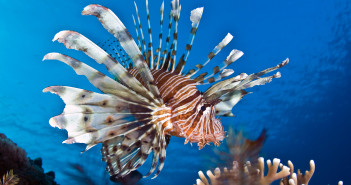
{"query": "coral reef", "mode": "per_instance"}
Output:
(240, 150)
(27, 170)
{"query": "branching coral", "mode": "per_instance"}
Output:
(272, 174)
(299, 178)
(254, 175)
(245, 174)
(9, 179)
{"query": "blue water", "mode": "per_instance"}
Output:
(306, 112)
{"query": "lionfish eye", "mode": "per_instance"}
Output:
(203, 108)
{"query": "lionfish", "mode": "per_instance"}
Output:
(151, 98)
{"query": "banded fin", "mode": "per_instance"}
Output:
(76, 96)
(176, 8)
(74, 40)
(232, 57)
(230, 91)
(112, 24)
(225, 83)
(89, 127)
(145, 54)
(180, 65)
(225, 73)
(212, 54)
(229, 100)
(195, 18)
(130, 152)
(137, 34)
(150, 35)
(99, 80)
(165, 51)
(158, 50)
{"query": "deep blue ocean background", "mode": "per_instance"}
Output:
(306, 112)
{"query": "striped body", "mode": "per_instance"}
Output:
(191, 116)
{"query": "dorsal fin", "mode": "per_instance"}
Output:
(176, 14)
(137, 34)
(241, 82)
(166, 63)
(225, 73)
(160, 36)
(212, 54)
(151, 56)
(200, 78)
(165, 51)
(141, 31)
(180, 65)
(232, 57)
(195, 18)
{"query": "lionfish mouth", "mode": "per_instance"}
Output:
(150, 95)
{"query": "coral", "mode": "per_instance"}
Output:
(9, 179)
(254, 175)
(27, 170)
(241, 151)
(245, 174)
(272, 174)
(299, 178)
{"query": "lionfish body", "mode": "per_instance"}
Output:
(150, 98)
(191, 116)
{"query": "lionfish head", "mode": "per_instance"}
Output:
(209, 129)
